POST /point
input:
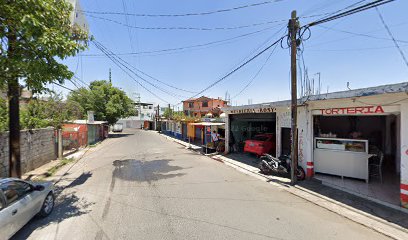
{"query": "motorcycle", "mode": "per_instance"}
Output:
(270, 164)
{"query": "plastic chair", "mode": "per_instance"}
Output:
(376, 164)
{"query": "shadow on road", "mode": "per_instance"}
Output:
(80, 180)
(144, 171)
(66, 206)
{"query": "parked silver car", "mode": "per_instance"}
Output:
(22, 200)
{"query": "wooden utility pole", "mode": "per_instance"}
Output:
(14, 111)
(293, 28)
(169, 112)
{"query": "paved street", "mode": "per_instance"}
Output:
(140, 185)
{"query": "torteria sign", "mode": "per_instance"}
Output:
(352, 110)
(253, 110)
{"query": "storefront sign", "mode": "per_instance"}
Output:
(254, 110)
(353, 110)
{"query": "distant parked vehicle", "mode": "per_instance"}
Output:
(118, 127)
(261, 144)
(20, 201)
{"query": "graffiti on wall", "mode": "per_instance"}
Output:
(301, 141)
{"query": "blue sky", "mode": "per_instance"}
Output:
(339, 57)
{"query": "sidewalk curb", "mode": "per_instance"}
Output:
(375, 223)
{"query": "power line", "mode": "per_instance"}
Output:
(185, 28)
(83, 83)
(355, 49)
(343, 9)
(239, 67)
(190, 46)
(63, 86)
(353, 35)
(149, 76)
(362, 34)
(120, 65)
(186, 14)
(392, 36)
(256, 74)
(74, 83)
(126, 64)
(350, 12)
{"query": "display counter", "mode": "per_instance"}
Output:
(342, 157)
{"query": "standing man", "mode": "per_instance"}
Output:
(215, 138)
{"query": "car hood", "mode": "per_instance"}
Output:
(45, 184)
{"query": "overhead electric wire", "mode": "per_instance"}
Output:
(126, 65)
(343, 9)
(74, 83)
(83, 83)
(239, 67)
(355, 49)
(188, 47)
(392, 37)
(185, 28)
(118, 64)
(186, 14)
(63, 86)
(350, 12)
(363, 34)
(256, 74)
(149, 76)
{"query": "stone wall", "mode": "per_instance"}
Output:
(37, 149)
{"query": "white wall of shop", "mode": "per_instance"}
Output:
(305, 135)
(404, 142)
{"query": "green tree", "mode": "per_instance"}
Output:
(108, 103)
(34, 36)
(3, 115)
(52, 111)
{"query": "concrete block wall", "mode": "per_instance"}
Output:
(37, 149)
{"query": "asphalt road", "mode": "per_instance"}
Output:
(140, 185)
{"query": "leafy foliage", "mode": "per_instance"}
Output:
(33, 34)
(3, 115)
(52, 111)
(108, 103)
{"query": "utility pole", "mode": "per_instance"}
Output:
(139, 106)
(293, 29)
(14, 111)
(158, 114)
(110, 76)
(169, 112)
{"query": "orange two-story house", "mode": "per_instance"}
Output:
(199, 107)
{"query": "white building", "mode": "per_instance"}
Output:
(145, 111)
(340, 136)
(77, 16)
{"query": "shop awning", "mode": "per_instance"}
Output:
(207, 124)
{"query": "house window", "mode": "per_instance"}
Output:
(190, 105)
(205, 104)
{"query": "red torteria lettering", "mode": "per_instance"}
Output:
(369, 109)
(379, 109)
(359, 110)
(352, 110)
